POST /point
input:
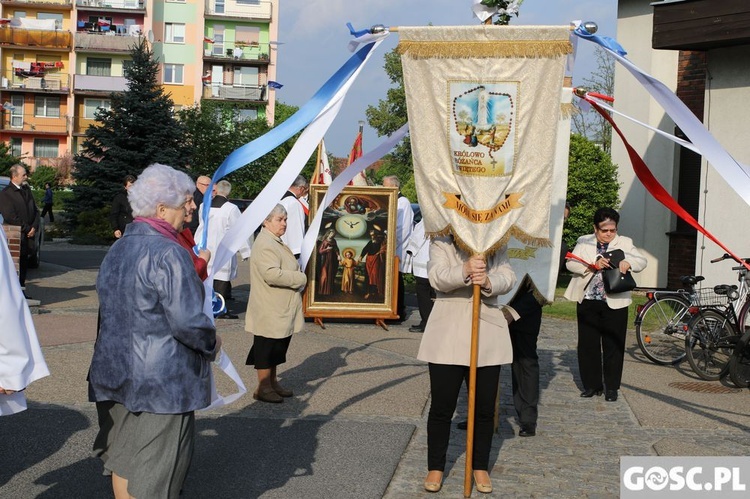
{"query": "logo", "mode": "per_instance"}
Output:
(684, 477)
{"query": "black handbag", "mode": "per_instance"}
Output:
(615, 281)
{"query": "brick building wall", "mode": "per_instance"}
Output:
(13, 234)
(691, 89)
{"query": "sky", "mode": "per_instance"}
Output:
(313, 44)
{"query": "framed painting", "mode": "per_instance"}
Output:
(351, 271)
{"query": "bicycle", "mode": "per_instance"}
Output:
(714, 330)
(739, 363)
(660, 322)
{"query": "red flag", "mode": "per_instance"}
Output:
(354, 155)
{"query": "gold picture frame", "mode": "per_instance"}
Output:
(352, 271)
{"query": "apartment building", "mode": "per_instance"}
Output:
(61, 59)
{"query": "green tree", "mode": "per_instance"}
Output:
(139, 129)
(592, 184)
(214, 130)
(591, 124)
(7, 159)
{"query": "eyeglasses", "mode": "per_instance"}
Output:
(613, 231)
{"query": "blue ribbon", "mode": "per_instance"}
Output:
(604, 41)
(253, 150)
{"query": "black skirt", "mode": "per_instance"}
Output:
(267, 352)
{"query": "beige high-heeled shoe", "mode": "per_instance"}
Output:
(435, 483)
(485, 485)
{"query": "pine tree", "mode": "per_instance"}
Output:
(139, 129)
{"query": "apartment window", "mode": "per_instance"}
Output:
(91, 106)
(173, 73)
(45, 148)
(15, 146)
(248, 2)
(47, 107)
(174, 32)
(98, 67)
(247, 34)
(245, 76)
(51, 15)
(247, 114)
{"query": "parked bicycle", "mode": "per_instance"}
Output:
(714, 331)
(739, 363)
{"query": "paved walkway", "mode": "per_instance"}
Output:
(356, 427)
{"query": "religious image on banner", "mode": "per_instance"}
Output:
(482, 133)
(484, 107)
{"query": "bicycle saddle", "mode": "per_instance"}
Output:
(691, 280)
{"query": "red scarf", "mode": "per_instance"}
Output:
(161, 226)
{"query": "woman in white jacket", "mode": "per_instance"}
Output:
(602, 317)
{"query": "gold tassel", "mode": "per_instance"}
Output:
(484, 49)
(567, 110)
(538, 242)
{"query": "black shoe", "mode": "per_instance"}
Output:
(228, 316)
(527, 430)
(417, 328)
(611, 395)
(27, 296)
(462, 425)
(590, 392)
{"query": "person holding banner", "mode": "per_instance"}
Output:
(274, 310)
(151, 365)
(446, 346)
(602, 318)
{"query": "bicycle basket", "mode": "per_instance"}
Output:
(707, 297)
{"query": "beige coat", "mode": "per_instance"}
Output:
(586, 249)
(274, 309)
(447, 336)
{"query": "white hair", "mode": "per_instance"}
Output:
(223, 188)
(277, 210)
(159, 184)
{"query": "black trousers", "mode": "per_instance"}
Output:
(23, 259)
(425, 295)
(601, 344)
(48, 209)
(224, 288)
(524, 334)
(401, 308)
(445, 384)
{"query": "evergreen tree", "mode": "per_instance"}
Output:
(139, 129)
(7, 159)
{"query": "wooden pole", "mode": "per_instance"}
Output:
(318, 171)
(469, 470)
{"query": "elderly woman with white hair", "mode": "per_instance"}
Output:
(274, 309)
(151, 364)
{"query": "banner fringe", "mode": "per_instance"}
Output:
(538, 242)
(533, 49)
(567, 110)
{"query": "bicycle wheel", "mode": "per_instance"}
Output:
(708, 344)
(739, 363)
(660, 329)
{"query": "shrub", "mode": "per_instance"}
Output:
(93, 227)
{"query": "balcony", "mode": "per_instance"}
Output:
(27, 122)
(105, 42)
(45, 4)
(251, 53)
(113, 5)
(217, 91)
(107, 84)
(258, 10)
(19, 37)
(701, 24)
(18, 79)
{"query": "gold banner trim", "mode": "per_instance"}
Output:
(484, 49)
(511, 202)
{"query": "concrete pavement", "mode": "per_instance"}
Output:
(356, 427)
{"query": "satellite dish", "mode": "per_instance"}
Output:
(150, 36)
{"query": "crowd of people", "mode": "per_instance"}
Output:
(151, 364)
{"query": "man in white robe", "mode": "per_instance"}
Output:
(404, 226)
(222, 216)
(21, 360)
(296, 214)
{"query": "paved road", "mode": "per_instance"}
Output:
(356, 426)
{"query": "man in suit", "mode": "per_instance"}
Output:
(121, 214)
(17, 207)
(201, 184)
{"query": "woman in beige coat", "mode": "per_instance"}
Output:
(446, 345)
(274, 310)
(602, 318)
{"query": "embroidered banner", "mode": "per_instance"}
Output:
(484, 106)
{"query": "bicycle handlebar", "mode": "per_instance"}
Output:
(728, 256)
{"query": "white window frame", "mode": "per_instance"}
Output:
(174, 70)
(90, 106)
(174, 33)
(48, 107)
